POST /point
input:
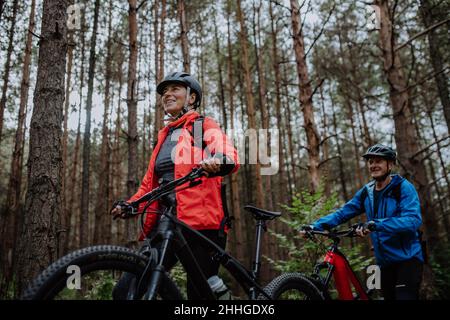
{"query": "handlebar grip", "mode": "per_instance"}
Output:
(370, 225)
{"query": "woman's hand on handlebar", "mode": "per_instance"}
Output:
(122, 209)
(211, 165)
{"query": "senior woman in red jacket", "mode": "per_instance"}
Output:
(176, 153)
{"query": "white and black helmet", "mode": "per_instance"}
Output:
(185, 79)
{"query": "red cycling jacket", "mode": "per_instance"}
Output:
(199, 206)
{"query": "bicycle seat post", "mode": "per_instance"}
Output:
(260, 226)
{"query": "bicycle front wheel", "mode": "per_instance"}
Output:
(94, 273)
(294, 286)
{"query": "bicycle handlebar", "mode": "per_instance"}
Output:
(351, 232)
(169, 187)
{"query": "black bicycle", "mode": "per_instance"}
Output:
(94, 271)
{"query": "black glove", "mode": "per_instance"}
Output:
(127, 210)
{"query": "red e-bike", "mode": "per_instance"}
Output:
(337, 267)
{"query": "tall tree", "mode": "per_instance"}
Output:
(159, 63)
(85, 184)
(405, 134)
(7, 67)
(277, 84)
(12, 209)
(132, 136)
(428, 11)
(240, 239)
(183, 36)
(305, 97)
(243, 36)
(65, 221)
(105, 150)
(38, 243)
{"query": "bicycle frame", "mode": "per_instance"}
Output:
(338, 266)
(170, 234)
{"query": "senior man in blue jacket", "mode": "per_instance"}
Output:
(392, 207)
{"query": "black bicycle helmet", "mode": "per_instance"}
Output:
(185, 79)
(379, 150)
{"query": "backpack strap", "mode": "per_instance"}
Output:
(364, 195)
(198, 140)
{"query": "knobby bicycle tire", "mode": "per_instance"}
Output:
(297, 282)
(91, 259)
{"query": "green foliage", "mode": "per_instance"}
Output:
(304, 254)
(440, 264)
(178, 274)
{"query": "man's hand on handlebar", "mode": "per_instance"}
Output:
(305, 231)
(122, 209)
(363, 229)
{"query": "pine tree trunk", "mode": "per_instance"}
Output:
(342, 177)
(85, 184)
(305, 97)
(132, 136)
(12, 209)
(38, 243)
(220, 74)
(239, 233)
(259, 54)
(260, 199)
(74, 211)
(429, 18)
(276, 67)
(405, 135)
(102, 202)
(65, 221)
(256, 168)
(183, 36)
(159, 61)
(117, 176)
(7, 67)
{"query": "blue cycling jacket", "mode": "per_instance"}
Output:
(396, 235)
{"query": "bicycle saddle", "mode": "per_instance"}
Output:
(261, 214)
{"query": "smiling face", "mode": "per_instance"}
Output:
(379, 167)
(174, 98)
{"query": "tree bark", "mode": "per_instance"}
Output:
(405, 135)
(7, 68)
(183, 36)
(305, 97)
(429, 18)
(159, 61)
(72, 240)
(12, 209)
(85, 184)
(239, 233)
(283, 193)
(260, 199)
(103, 197)
(65, 221)
(38, 243)
(132, 136)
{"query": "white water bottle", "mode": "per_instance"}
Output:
(219, 288)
